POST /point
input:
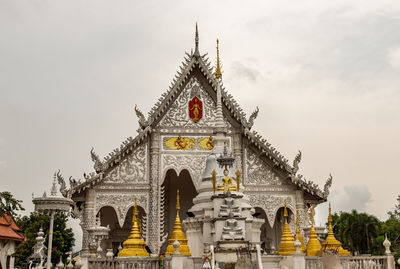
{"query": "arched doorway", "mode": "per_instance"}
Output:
(278, 226)
(117, 234)
(187, 192)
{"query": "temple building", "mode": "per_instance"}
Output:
(194, 120)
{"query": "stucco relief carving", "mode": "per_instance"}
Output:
(271, 204)
(178, 114)
(121, 202)
(194, 164)
(258, 172)
(132, 169)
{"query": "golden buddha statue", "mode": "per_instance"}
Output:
(227, 183)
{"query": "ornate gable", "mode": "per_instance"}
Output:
(178, 114)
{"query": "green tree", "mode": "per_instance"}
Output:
(396, 211)
(356, 231)
(63, 238)
(9, 205)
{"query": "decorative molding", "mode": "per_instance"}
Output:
(121, 203)
(178, 113)
(132, 169)
(258, 172)
(194, 164)
(271, 204)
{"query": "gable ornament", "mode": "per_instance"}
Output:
(195, 109)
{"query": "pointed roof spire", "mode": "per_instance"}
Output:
(196, 41)
(218, 73)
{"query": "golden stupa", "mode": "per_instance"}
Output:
(178, 234)
(331, 243)
(313, 245)
(286, 247)
(134, 246)
(298, 235)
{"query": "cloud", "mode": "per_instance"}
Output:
(242, 71)
(346, 199)
(394, 57)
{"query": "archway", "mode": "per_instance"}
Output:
(117, 234)
(187, 192)
(278, 226)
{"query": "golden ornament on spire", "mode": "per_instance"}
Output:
(286, 247)
(134, 246)
(237, 180)
(218, 73)
(214, 180)
(331, 243)
(298, 235)
(313, 245)
(177, 234)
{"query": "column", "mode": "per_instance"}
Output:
(153, 220)
(88, 221)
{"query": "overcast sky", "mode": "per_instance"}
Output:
(325, 75)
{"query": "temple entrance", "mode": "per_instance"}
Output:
(271, 236)
(117, 234)
(187, 192)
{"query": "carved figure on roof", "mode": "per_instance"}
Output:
(61, 182)
(98, 165)
(327, 186)
(296, 162)
(195, 109)
(252, 117)
(143, 123)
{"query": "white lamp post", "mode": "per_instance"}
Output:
(52, 204)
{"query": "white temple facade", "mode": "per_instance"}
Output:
(170, 151)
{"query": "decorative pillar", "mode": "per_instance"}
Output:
(153, 221)
(237, 151)
(301, 210)
(88, 221)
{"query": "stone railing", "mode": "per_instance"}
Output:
(129, 263)
(364, 262)
(313, 262)
(351, 262)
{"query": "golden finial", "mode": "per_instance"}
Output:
(177, 200)
(238, 180)
(218, 73)
(285, 214)
(214, 180)
(298, 235)
(178, 234)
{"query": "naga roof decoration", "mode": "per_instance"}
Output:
(191, 61)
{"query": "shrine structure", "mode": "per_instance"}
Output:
(192, 120)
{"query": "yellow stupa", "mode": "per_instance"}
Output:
(178, 234)
(298, 235)
(286, 247)
(134, 246)
(331, 243)
(313, 245)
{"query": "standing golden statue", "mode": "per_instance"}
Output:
(196, 111)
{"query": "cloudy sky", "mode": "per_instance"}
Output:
(325, 75)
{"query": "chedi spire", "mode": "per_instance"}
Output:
(177, 234)
(286, 246)
(134, 246)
